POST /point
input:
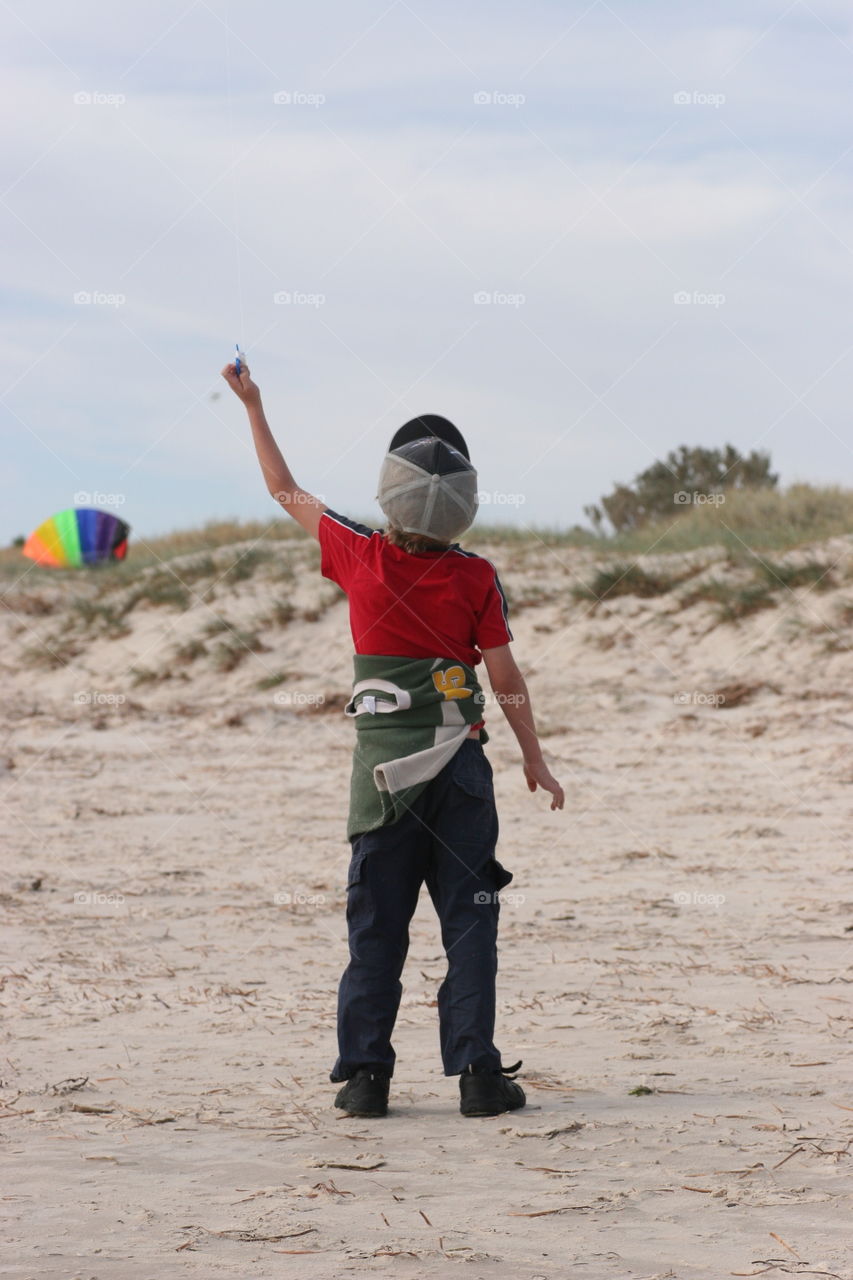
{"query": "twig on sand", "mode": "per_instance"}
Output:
(246, 1234)
(786, 1245)
(264, 1191)
(132, 1111)
(775, 1263)
(68, 1085)
(555, 1086)
(544, 1213)
(788, 1157)
(365, 1161)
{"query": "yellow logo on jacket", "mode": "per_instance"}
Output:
(451, 683)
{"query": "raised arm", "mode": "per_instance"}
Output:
(297, 502)
(510, 690)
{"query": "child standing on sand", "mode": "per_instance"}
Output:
(422, 612)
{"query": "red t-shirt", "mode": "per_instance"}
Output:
(432, 604)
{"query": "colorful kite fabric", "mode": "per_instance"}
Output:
(80, 535)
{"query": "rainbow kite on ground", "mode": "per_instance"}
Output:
(80, 535)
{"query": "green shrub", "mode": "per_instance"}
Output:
(190, 651)
(668, 488)
(228, 654)
(101, 618)
(733, 600)
(626, 580)
(51, 653)
(201, 567)
(145, 675)
(216, 626)
(270, 682)
(246, 564)
(811, 573)
(160, 590)
(282, 613)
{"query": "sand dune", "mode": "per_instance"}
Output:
(675, 949)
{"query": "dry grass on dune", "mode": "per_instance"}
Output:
(762, 519)
(205, 606)
(244, 581)
(765, 519)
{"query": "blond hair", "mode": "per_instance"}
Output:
(413, 542)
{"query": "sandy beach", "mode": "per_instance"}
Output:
(675, 946)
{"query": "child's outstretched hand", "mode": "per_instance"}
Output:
(539, 775)
(241, 383)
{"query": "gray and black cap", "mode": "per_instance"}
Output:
(427, 484)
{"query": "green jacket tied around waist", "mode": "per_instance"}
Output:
(412, 715)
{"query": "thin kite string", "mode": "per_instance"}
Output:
(233, 177)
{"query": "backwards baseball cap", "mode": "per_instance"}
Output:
(427, 484)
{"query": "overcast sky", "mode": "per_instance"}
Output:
(577, 165)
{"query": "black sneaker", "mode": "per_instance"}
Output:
(488, 1092)
(365, 1094)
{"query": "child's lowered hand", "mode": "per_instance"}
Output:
(241, 383)
(539, 775)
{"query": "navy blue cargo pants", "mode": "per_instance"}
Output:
(447, 838)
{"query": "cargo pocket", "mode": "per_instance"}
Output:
(356, 868)
(474, 786)
(474, 778)
(478, 821)
(472, 771)
(476, 817)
